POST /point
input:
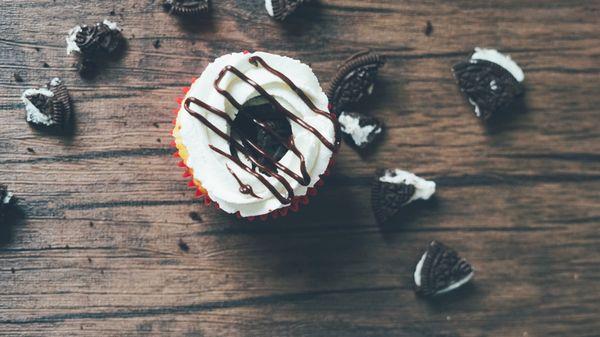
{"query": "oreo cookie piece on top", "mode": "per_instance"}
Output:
(49, 106)
(490, 80)
(261, 124)
(440, 270)
(97, 41)
(393, 189)
(360, 130)
(186, 7)
(354, 80)
(281, 9)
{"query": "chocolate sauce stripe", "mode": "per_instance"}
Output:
(271, 100)
(302, 96)
(305, 180)
(244, 188)
(262, 179)
(242, 149)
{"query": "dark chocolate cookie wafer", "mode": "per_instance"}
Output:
(281, 9)
(354, 80)
(186, 7)
(393, 189)
(490, 80)
(48, 107)
(440, 270)
(489, 86)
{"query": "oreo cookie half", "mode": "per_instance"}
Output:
(393, 189)
(259, 122)
(281, 9)
(48, 107)
(490, 80)
(440, 270)
(97, 41)
(7, 205)
(354, 80)
(186, 7)
(360, 130)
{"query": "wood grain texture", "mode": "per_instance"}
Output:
(98, 252)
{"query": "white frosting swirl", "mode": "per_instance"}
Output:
(210, 167)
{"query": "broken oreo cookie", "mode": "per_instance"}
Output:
(186, 7)
(490, 80)
(360, 130)
(354, 80)
(48, 107)
(7, 205)
(259, 122)
(281, 9)
(393, 189)
(440, 270)
(94, 44)
(95, 41)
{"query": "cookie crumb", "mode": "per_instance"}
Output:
(17, 77)
(195, 216)
(428, 28)
(183, 246)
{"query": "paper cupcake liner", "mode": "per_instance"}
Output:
(188, 173)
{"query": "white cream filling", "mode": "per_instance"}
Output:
(456, 284)
(358, 133)
(34, 115)
(417, 274)
(210, 168)
(417, 278)
(111, 25)
(500, 59)
(72, 35)
(424, 189)
(71, 45)
(269, 7)
(7, 198)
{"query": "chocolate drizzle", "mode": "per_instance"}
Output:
(244, 188)
(249, 148)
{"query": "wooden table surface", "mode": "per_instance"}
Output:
(106, 209)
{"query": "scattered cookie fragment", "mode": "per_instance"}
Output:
(7, 205)
(186, 7)
(183, 246)
(428, 28)
(94, 44)
(490, 80)
(393, 189)
(360, 130)
(440, 270)
(281, 9)
(48, 107)
(17, 77)
(354, 80)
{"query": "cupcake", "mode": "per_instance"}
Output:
(255, 134)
